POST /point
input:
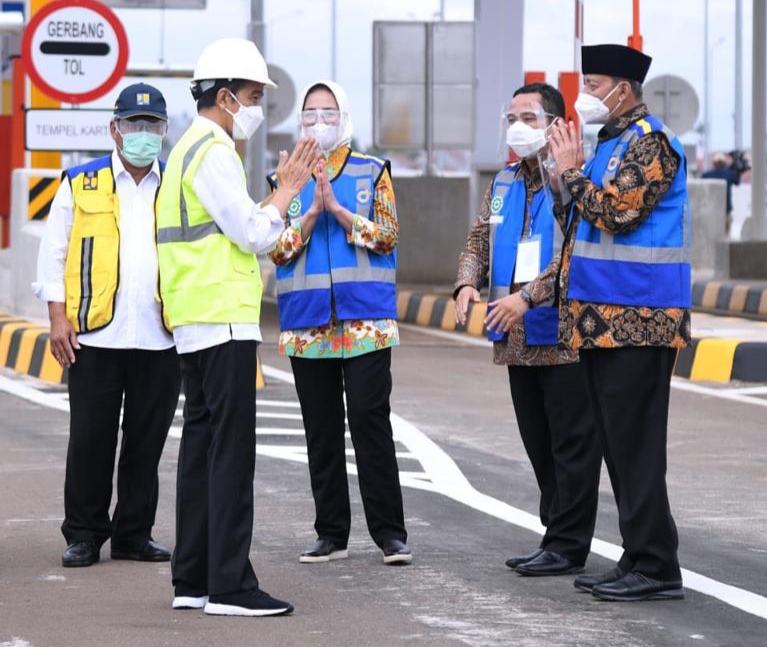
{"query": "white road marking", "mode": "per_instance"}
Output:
(442, 476)
(725, 394)
(16, 642)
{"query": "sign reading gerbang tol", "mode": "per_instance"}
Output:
(75, 50)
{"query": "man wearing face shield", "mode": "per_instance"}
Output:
(625, 283)
(97, 269)
(208, 233)
(336, 264)
(516, 241)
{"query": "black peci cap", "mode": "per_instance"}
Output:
(615, 60)
(141, 99)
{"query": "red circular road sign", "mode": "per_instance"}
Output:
(75, 50)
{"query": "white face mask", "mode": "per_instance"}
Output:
(525, 140)
(325, 134)
(246, 120)
(592, 110)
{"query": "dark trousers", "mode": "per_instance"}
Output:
(629, 390)
(366, 379)
(558, 432)
(98, 381)
(216, 464)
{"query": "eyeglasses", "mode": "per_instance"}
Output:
(529, 117)
(128, 126)
(311, 117)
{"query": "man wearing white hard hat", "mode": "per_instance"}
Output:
(208, 233)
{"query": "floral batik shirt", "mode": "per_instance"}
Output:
(350, 337)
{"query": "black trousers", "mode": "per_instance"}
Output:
(558, 432)
(366, 380)
(99, 380)
(216, 464)
(629, 390)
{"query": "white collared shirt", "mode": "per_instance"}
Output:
(137, 321)
(219, 187)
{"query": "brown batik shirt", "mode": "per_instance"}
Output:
(473, 269)
(642, 179)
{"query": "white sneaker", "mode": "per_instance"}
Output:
(189, 602)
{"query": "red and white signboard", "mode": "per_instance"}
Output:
(75, 50)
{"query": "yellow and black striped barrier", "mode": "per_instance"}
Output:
(726, 297)
(41, 193)
(24, 347)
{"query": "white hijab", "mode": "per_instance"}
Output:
(345, 131)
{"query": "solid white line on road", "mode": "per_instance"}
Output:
(724, 394)
(447, 479)
(175, 432)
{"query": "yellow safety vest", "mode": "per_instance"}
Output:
(92, 270)
(204, 276)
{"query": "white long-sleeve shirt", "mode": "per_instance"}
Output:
(137, 321)
(219, 187)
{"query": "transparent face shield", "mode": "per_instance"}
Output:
(525, 128)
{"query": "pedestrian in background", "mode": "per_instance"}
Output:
(626, 288)
(336, 262)
(723, 171)
(97, 269)
(516, 241)
(209, 231)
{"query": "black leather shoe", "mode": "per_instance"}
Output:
(513, 562)
(396, 553)
(549, 563)
(80, 553)
(323, 550)
(634, 587)
(150, 551)
(588, 582)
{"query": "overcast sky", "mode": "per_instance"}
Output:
(298, 40)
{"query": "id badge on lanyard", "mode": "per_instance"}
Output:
(528, 260)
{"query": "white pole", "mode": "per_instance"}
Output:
(758, 123)
(333, 28)
(738, 144)
(706, 114)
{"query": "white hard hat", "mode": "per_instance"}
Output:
(231, 58)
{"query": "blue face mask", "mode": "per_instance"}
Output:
(141, 149)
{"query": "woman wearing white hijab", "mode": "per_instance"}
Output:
(336, 263)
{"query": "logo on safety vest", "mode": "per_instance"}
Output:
(363, 196)
(295, 207)
(90, 181)
(613, 163)
(496, 205)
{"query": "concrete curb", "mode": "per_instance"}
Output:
(25, 348)
(709, 359)
(728, 298)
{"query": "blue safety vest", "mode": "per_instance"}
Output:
(507, 216)
(649, 266)
(332, 273)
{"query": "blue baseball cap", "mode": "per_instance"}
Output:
(141, 99)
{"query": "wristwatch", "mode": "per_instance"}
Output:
(526, 297)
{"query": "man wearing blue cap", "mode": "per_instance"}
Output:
(97, 269)
(626, 296)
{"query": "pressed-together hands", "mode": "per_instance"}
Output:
(566, 146)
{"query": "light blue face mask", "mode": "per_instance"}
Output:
(141, 149)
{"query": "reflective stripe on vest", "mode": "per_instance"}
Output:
(508, 207)
(204, 277)
(649, 266)
(92, 268)
(330, 271)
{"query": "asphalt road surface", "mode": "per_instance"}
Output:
(470, 502)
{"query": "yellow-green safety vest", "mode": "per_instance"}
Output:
(204, 277)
